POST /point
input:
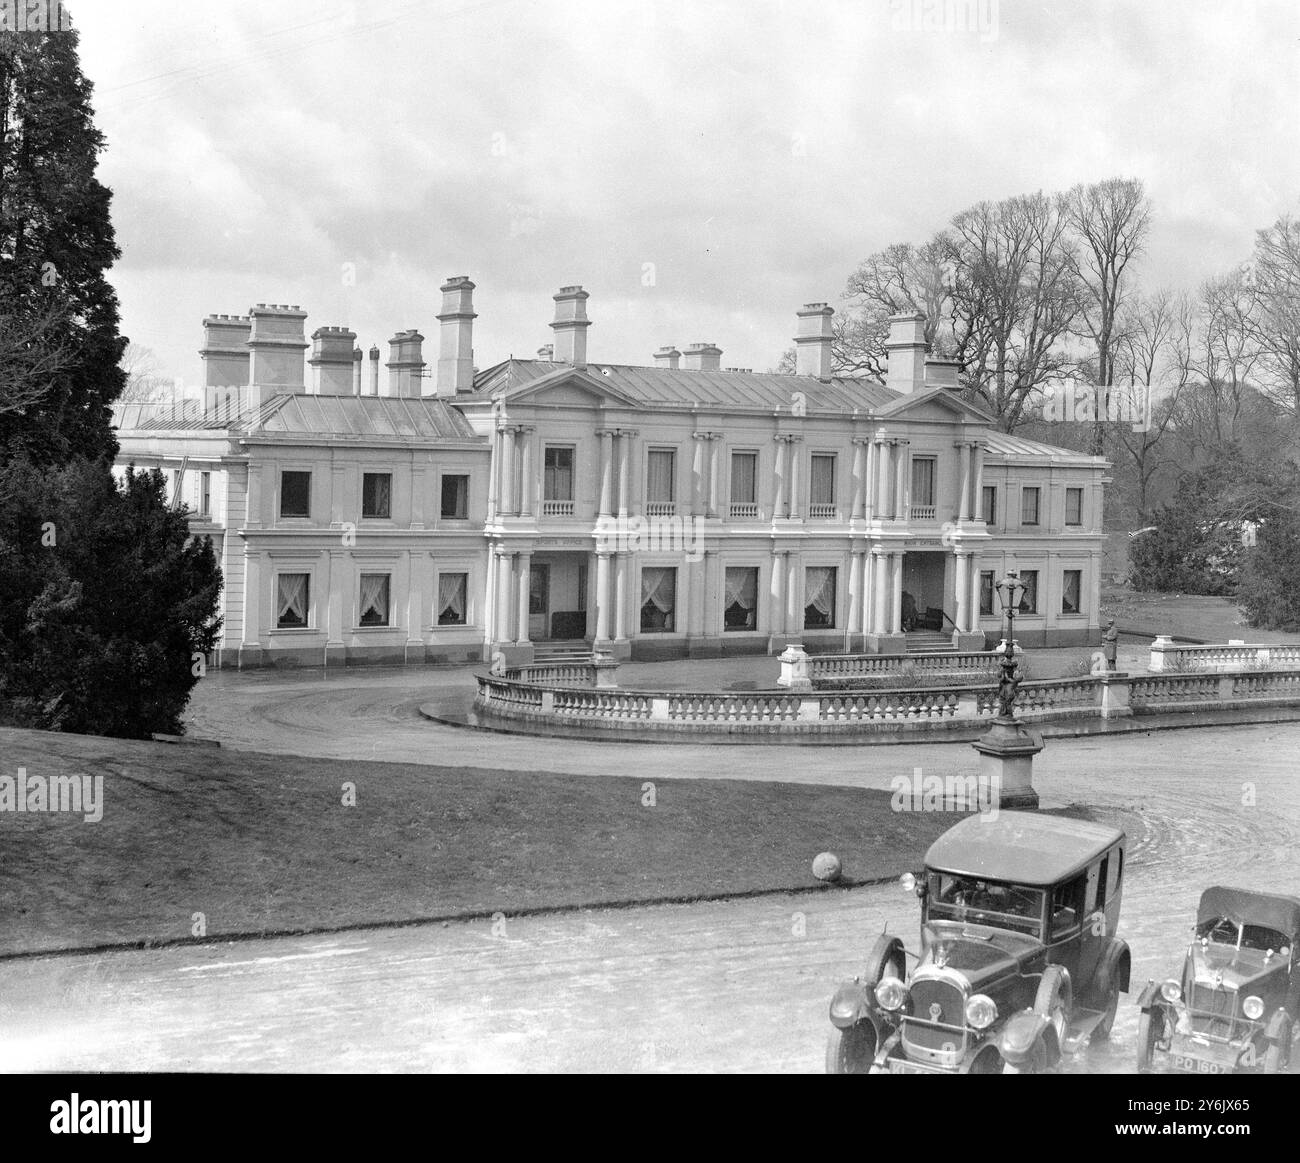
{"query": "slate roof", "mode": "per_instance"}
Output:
(1008, 444)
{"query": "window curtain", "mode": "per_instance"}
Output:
(742, 589)
(742, 478)
(659, 476)
(922, 480)
(291, 599)
(659, 588)
(1070, 601)
(1029, 599)
(374, 597)
(451, 597)
(823, 480)
(820, 584)
(559, 476)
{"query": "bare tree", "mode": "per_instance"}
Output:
(143, 383)
(1109, 221)
(1272, 279)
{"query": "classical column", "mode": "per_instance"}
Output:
(884, 502)
(858, 508)
(870, 503)
(504, 605)
(620, 595)
(881, 588)
(896, 598)
(900, 480)
(868, 591)
(624, 470)
(602, 596)
(251, 636)
(963, 590)
(792, 460)
(494, 478)
(977, 491)
(711, 599)
(508, 507)
(698, 491)
(523, 571)
(776, 587)
(794, 595)
(715, 471)
(973, 602)
(526, 482)
(855, 584)
(964, 506)
(606, 471)
(782, 455)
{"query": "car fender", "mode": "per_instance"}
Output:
(1022, 1032)
(1113, 966)
(1150, 996)
(1279, 1026)
(851, 1004)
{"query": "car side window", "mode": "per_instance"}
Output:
(1067, 906)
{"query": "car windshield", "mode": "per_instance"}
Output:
(1226, 931)
(985, 902)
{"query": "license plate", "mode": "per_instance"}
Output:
(900, 1066)
(1198, 1065)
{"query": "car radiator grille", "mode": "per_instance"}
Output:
(1213, 1011)
(922, 1028)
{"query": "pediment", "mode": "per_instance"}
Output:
(570, 387)
(940, 404)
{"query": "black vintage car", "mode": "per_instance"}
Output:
(1018, 961)
(1233, 1008)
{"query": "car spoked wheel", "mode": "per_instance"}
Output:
(1151, 1031)
(851, 1051)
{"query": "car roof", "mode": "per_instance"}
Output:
(1245, 906)
(1021, 847)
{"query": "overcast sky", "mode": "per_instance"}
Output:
(703, 169)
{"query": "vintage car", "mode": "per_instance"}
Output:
(1233, 1008)
(1019, 962)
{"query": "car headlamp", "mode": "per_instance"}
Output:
(981, 1011)
(890, 994)
(1171, 990)
(1253, 1008)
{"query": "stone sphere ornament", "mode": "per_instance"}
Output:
(826, 866)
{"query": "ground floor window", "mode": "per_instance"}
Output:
(291, 593)
(1029, 600)
(819, 597)
(453, 589)
(1071, 588)
(374, 599)
(986, 592)
(658, 599)
(740, 604)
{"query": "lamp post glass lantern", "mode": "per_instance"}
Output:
(1010, 590)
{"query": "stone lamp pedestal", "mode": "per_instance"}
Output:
(1007, 762)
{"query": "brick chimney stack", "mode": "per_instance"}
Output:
(331, 361)
(906, 347)
(668, 357)
(455, 372)
(813, 343)
(406, 364)
(570, 326)
(276, 345)
(702, 357)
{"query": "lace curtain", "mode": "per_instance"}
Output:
(742, 589)
(451, 598)
(291, 599)
(659, 588)
(374, 598)
(820, 587)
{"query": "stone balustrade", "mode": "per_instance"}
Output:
(1167, 657)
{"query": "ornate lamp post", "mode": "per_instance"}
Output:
(1007, 751)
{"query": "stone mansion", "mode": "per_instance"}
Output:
(440, 514)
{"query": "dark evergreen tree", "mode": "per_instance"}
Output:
(59, 341)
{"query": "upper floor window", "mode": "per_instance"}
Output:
(1074, 506)
(374, 599)
(295, 494)
(376, 494)
(660, 484)
(989, 504)
(455, 497)
(821, 490)
(557, 479)
(744, 484)
(923, 470)
(1029, 506)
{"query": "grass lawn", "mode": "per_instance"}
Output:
(261, 843)
(1193, 616)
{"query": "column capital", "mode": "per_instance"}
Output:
(787, 438)
(706, 435)
(864, 440)
(624, 431)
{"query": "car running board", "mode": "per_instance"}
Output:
(1082, 1024)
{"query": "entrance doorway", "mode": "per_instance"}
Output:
(557, 597)
(924, 591)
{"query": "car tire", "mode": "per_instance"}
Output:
(1151, 1028)
(1055, 1001)
(887, 959)
(1101, 1031)
(1278, 1055)
(851, 1051)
